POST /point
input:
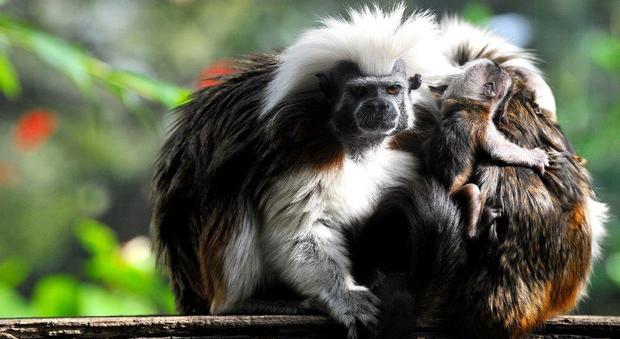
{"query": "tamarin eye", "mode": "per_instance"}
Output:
(393, 89)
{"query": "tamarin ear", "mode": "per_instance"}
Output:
(326, 85)
(489, 89)
(415, 82)
(438, 91)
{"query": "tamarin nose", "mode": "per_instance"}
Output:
(378, 113)
(379, 109)
(379, 105)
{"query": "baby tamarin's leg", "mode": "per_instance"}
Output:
(468, 199)
(500, 149)
(476, 215)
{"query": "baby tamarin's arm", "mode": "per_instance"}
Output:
(500, 149)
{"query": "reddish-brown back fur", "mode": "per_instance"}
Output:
(541, 259)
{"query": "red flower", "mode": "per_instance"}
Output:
(33, 128)
(208, 76)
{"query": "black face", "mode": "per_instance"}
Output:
(366, 109)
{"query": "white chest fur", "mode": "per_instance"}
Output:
(355, 190)
(339, 196)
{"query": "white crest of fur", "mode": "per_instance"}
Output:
(596, 216)
(242, 263)
(455, 33)
(372, 38)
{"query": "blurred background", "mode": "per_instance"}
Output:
(86, 89)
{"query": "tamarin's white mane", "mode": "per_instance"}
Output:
(455, 33)
(372, 38)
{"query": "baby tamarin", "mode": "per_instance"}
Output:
(469, 105)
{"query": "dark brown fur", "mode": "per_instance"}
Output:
(533, 262)
(530, 264)
(196, 186)
(474, 117)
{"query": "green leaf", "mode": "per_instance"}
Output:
(68, 59)
(13, 304)
(13, 272)
(477, 13)
(605, 51)
(64, 57)
(9, 82)
(612, 265)
(83, 69)
(96, 301)
(96, 237)
(115, 272)
(166, 301)
(169, 95)
(56, 295)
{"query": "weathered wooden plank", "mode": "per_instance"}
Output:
(177, 326)
(255, 327)
(593, 326)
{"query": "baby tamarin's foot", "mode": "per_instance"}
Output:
(476, 216)
(490, 214)
(469, 201)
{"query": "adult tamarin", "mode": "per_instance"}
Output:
(529, 264)
(261, 175)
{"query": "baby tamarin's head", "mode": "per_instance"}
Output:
(481, 80)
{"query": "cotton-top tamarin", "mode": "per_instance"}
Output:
(261, 175)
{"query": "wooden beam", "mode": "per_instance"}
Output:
(255, 327)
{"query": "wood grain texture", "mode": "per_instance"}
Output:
(256, 327)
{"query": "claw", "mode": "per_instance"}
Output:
(541, 170)
(357, 309)
(541, 160)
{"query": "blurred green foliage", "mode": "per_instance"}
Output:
(103, 72)
(80, 67)
(117, 280)
(477, 13)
